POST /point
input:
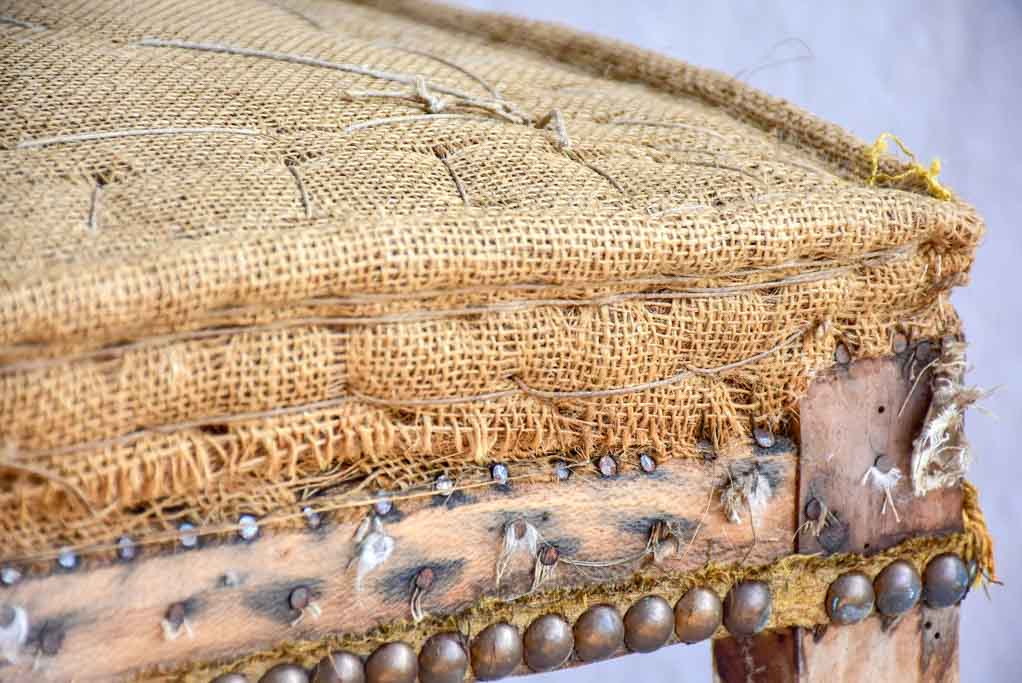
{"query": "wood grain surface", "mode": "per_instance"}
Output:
(852, 419)
(850, 422)
(234, 597)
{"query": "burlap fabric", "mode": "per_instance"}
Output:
(258, 254)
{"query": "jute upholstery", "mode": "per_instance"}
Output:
(256, 252)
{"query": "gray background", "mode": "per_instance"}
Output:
(946, 77)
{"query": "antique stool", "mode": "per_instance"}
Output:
(385, 341)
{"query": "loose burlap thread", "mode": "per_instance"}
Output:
(257, 252)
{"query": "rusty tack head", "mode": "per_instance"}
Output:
(424, 579)
(175, 615)
(51, 639)
(814, 508)
(549, 555)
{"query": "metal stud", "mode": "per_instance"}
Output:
(562, 470)
(67, 559)
(548, 642)
(747, 608)
(175, 615)
(424, 579)
(698, 615)
(392, 663)
(383, 506)
(648, 624)
(496, 651)
(443, 659)
(814, 508)
(647, 463)
(945, 581)
(285, 673)
(9, 576)
(763, 437)
(548, 555)
(900, 343)
(312, 518)
(126, 549)
(339, 667)
(850, 598)
(299, 598)
(897, 588)
(248, 527)
(51, 638)
(189, 538)
(500, 474)
(231, 677)
(842, 355)
(607, 466)
(599, 633)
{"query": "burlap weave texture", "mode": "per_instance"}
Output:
(255, 250)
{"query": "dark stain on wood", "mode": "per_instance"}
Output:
(782, 446)
(682, 526)
(397, 584)
(272, 600)
(455, 499)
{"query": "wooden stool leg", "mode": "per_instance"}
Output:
(921, 648)
(852, 419)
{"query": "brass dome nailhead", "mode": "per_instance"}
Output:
(548, 642)
(392, 663)
(648, 624)
(285, 673)
(443, 659)
(945, 581)
(850, 598)
(496, 651)
(747, 608)
(339, 667)
(898, 588)
(599, 633)
(697, 615)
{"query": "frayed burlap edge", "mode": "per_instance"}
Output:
(798, 584)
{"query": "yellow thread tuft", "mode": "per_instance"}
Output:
(915, 169)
